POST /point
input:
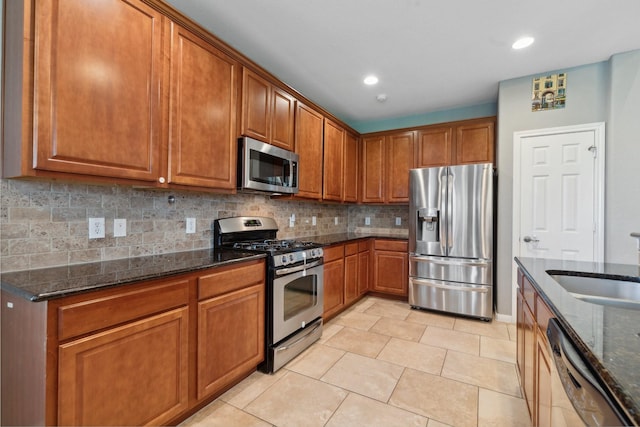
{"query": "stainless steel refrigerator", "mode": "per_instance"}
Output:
(451, 239)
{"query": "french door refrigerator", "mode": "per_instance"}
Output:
(451, 239)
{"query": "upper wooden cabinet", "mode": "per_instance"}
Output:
(202, 125)
(457, 143)
(88, 101)
(385, 162)
(267, 111)
(350, 169)
(309, 140)
(333, 176)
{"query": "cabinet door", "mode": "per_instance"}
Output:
(351, 272)
(372, 162)
(256, 105)
(203, 113)
(528, 322)
(135, 374)
(434, 147)
(400, 151)
(333, 287)
(283, 107)
(364, 271)
(98, 73)
(474, 143)
(391, 272)
(543, 381)
(350, 176)
(333, 161)
(309, 131)
(230, 338)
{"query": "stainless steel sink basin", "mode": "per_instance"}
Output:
(601, 290)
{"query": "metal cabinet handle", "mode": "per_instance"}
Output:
(529, 239)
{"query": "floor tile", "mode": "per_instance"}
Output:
(315, 361)
(493, 348)
(434, 423)
(513, 332)
(399, 329)
(488, 373)
(431, 318)
(501, 410)
(297, 400)
(356, 320)
(220, 414)
(422, 357)
(393, 310)
(329, 330)
(444, 400)
(370, 377)
(251, 387)
(453, 340)
(357, 341)
(492, 329)
(363, 304)
(357, 411)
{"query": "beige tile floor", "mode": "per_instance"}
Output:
(382, 364)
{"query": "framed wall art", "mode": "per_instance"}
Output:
(549, 92)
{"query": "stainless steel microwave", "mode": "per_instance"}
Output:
(264, 167)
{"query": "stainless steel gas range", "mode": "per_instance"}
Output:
(294, 285)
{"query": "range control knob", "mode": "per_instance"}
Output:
(291, 257)
(284, 260)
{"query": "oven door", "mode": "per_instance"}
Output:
(297, 299)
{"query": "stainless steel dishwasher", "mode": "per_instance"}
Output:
(577, 397)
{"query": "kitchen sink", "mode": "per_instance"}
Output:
(601, 290)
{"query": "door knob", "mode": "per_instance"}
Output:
(529, 239)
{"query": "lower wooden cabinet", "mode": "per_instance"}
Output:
(333, 280)
(533, 359)
(391, 267)
(364, 267)
(147, 353)
(351, 272)
(135, 374)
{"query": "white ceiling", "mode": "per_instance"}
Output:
(429, 56)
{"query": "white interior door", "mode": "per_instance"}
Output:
(558, 197)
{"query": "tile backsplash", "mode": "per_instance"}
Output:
(45, 223)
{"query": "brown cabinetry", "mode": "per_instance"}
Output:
(385, 162)
(457, 143)
(350, 169)
(202, 143)
(268, 112)
(309, 140)
(534, 362)
(390, 267)
(140, 354)
(351, 272)
(89, 100)
(230, 325)
(333, 169)
(364, 266)
(333, 280)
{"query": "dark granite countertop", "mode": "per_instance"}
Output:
(332, 239)
(55, 282)
(608, 336)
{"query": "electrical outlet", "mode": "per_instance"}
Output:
(191, 225)
(119, 227)
(398, 220)
(367, 220)
(335, 220)
(314, 220)
(96, 228)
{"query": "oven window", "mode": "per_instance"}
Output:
(270, 169)
(300, 295)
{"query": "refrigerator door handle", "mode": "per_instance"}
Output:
(456, 261)
(444, 212)
(450, 214)
(479, 289)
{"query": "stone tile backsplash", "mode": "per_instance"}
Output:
(45, 223)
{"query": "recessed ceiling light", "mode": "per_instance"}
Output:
(370, 80)
(523, 42)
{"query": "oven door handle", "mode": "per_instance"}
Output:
(283, 271)
(296, 342)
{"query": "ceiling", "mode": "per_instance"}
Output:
(429, 56)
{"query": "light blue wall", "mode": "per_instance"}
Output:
(472, 112)
(602, 92)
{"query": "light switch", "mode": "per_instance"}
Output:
(119, 227)
(398, 220)
(191, 225)
(367, 220)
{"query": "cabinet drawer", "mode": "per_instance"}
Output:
(391, 245)
(117, 307)
(364, 245)
(333, 252)
(230, 278)
(350, 249)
